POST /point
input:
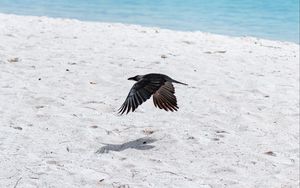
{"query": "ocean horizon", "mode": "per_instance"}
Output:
(274, 20)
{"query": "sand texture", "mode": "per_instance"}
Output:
(62, 82)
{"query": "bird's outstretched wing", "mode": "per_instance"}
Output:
(164, 97)
(139, 93)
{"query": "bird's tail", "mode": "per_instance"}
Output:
(175, 81)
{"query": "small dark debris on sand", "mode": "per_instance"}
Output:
(13, 60)
(220, 131)
(270, 153)
(94, 126)
(19, 128)
(215, 52)
(163, 56)
(188, 42)
(148, 131)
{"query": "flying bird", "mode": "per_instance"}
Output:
(158, 85)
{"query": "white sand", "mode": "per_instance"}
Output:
(242, 101)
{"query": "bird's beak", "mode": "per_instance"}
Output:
(131, 78)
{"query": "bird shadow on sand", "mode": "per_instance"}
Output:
(139, 144)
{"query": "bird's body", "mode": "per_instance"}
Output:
(158, 85)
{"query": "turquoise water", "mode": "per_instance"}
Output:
(271, 19)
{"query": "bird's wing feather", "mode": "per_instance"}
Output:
(139, 93)
(164, 97)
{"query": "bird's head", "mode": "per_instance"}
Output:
(136, 78)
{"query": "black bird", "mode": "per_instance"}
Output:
(158, 85)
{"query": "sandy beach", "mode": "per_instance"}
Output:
(62, 82)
